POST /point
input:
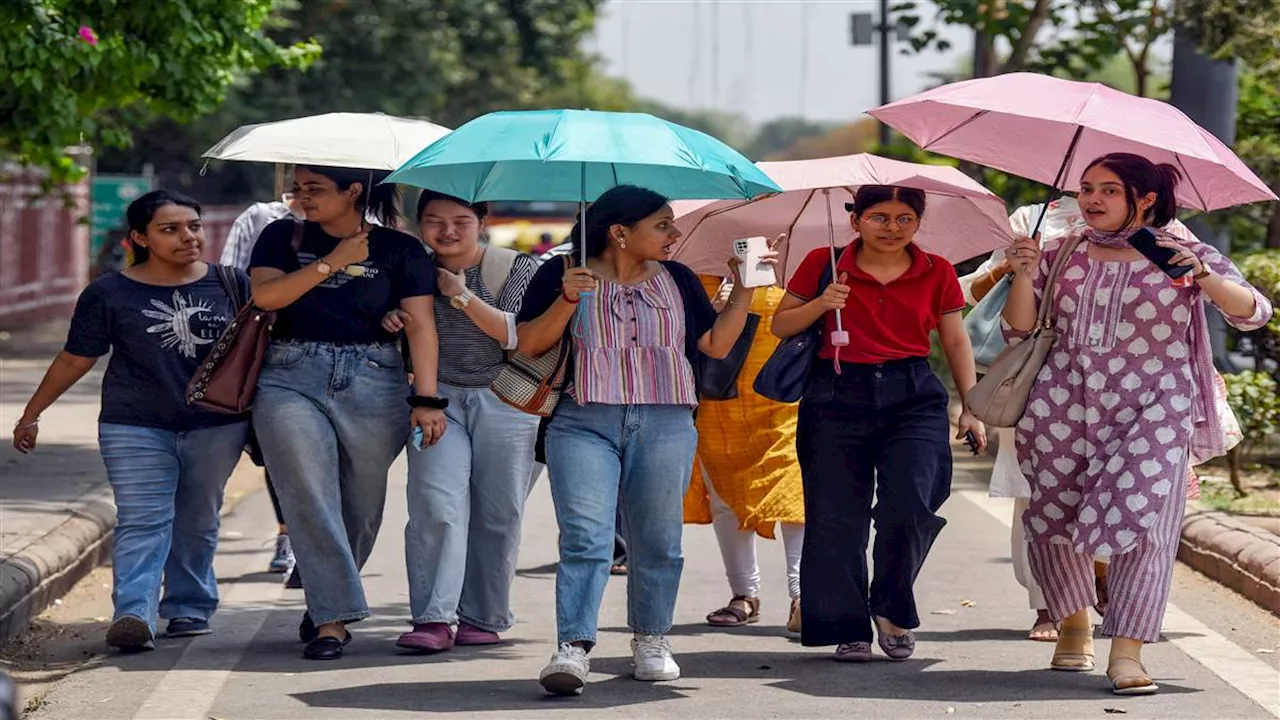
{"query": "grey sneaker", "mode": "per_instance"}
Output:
(651, 655)
(857, 652)
(567, 672)
(283, 560)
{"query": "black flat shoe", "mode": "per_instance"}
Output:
(307, 629)
(326, 648)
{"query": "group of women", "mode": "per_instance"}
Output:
(1104, 446)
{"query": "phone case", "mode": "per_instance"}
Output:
(754, 273)
(1144, 241)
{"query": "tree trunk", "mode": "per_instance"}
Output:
(1234, 460)
(1018, 57)
(1273, 230)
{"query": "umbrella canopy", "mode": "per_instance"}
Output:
(962, 218)
(575, 155)
(1049, 130)
(370, 141)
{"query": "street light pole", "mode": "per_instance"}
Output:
(884, 67)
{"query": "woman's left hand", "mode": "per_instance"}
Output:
(970, 424)
(1183, 257)
(432, 422)
(451, 284)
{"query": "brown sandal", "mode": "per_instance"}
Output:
(793, 620)
(730, 616)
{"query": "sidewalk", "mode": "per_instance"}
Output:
(56, 511)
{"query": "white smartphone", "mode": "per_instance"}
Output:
(754, 273)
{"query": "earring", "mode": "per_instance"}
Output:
(622, 243)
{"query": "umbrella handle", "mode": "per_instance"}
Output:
(839, 338)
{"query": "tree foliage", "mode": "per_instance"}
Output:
(77, 71)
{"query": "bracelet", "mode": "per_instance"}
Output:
(991, 276)
(737, 304)
(566, 299)
(429, 402)
(1204, 273)
(18, 425)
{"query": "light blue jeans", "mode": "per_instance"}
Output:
(168, 492)
(331, 419)
(598, 456)
(466, 501)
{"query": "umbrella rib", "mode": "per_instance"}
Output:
(1203, 205)
(943, 136)
(786, 261)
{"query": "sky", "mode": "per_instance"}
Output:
(761, 58)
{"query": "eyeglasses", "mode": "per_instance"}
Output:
(882, 220)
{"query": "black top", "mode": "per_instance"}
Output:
(346, 308)
(699, 315)
(157, 337)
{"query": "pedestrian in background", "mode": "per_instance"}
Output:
(1124, 399)
(167, 462)
(876, 423)
(332, 410)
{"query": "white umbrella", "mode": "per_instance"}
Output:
(369, 141)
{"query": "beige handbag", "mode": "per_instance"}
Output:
(1000, 398)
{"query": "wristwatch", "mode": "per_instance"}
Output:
(460, 302)
(324, 268)
(1204, 273)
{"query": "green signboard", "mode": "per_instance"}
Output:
(111, 195)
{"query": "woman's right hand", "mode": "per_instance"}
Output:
(396, 320)
(836, 295)
(24, 435)
(576, 281)
(1024, 255)
(350, 251)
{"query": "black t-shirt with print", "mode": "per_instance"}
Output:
(157, 337)
(345, 308)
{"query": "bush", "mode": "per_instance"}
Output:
(1262, 270)
(1255, 399)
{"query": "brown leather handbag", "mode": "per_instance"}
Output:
(227, 380)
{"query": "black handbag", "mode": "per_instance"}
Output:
(719, 378)
(786, 373)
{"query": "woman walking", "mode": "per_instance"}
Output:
(624, 431)
(1124, 400)
(747, 481)
(167, 462)
(466, 493)
(331, 411)
(873, 419)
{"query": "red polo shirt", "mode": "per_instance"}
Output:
(884, 322)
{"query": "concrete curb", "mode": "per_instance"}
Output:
(1240, 556)
(45, 570)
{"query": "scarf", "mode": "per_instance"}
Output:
(1208, 438)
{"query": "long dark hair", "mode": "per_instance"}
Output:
(143, 210)
(376, 199)
(1141, 176)
(619, 205)
(868, 196)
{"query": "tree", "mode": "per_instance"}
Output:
(78, 71)
(779, 136)
(444, 60)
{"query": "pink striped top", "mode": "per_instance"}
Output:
(629, 345)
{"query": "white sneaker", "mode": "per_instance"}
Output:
(567, 672)
(651, 655)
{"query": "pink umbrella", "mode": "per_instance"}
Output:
(1048, 129)
(962, 219)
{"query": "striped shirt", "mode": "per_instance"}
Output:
(245, 231)
(468, 356)
(629, 345)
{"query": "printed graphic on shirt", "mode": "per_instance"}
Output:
(186, 325)
(341, 276)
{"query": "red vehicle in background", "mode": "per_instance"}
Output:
(531, 227)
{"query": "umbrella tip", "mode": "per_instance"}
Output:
(204, 169)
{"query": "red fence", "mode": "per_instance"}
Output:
(44, 248)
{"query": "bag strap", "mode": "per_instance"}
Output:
(298, 227)
(495, 269)
(231, 285)
(1051, 282)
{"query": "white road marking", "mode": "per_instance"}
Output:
(1256, 679)
(189, 689)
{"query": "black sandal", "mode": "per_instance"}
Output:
(326, 647)
(740, 618)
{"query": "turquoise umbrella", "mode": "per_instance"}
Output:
(575, 155)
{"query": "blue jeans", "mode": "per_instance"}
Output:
(466, 501)
(598, 456)
(168, 491)
(331, 419)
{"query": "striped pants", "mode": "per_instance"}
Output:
(1137, 582)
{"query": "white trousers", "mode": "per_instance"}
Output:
(738, 548)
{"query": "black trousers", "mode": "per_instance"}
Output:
(877, 430)
(275, 501)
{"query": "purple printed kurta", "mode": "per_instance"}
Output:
(1106, 434)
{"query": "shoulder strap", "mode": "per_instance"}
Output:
(298, 227)
(231, 285)
(1046, 296)
(495, 268)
